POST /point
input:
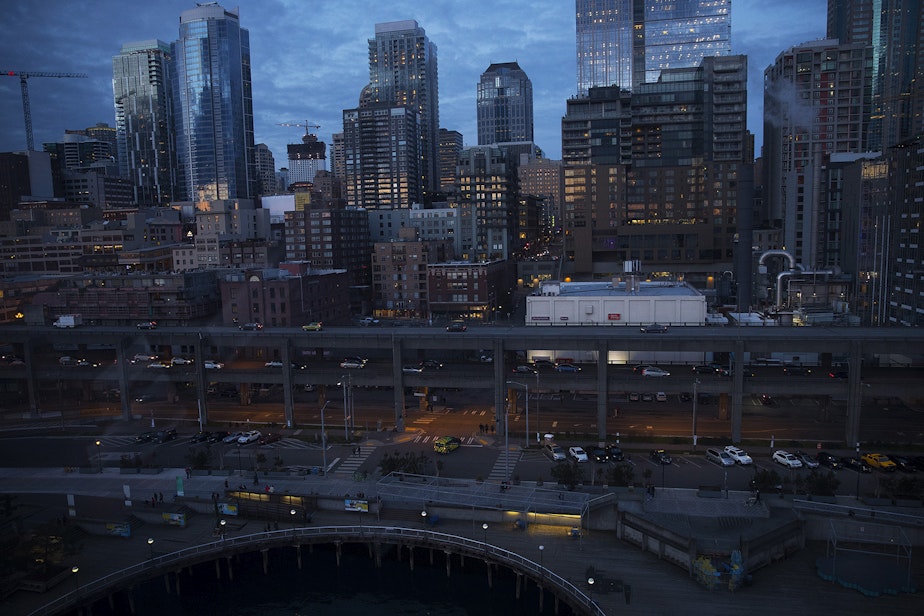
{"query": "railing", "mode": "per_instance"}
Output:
(859, 512)
(200, 553)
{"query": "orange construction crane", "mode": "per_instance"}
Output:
(26, 108)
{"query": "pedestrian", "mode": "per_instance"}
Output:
(226, 484)
(154, 500)
(188, 472)
(160, 496)
(480, 428)
(756, 496)
(256, 480)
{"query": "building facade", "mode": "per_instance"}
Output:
(213, 106)
(306, 159)
(142, 88)
(504, 104)
(627, 42)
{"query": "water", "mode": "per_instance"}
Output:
(322, 588)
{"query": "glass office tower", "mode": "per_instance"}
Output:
(628, 42)
(213, 106)
(504, 104)
(141, 88)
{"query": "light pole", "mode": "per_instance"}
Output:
(859, 468)
(346, 383)
(541, 569)
(74, 570)
(538, 430)
(695, 385)
(240, 469)
(423, 517)
(221, 529)
(590, 587)
(99, 455)
(292, 513)
(151, 545)
(526, 387)
(484, 528)
(324, 438)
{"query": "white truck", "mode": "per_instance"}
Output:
(68, 320)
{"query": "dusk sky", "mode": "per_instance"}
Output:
(310, 58)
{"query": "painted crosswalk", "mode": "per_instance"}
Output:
(351, 463)
(423, 438)
(504, 465)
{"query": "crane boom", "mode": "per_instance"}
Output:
(24, 86)
(306, 125)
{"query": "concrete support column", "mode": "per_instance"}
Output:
(288, 401)
(602, 389)
(265, 554)
(448, 562)
(396, 377)
(737, 392)
(298, 556)
(854, 395)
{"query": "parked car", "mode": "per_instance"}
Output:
(144, 437)
(660, 456)
(918, 462)
(767, 399)
(807, 460)
(554, 451)
(614, 453)
(855, 464)
(249, 437)
(218, 436)
(162, 436)
(200, 437)
(719, 456)
(252, 327)
(904, 464)
(634, 396)
(567, 368)
(739, 455)
(654, 328)
(597, 454)
(826, 459)
(456, 326)
(786, 459)
(314, 326)
(685, 396)
(232, 437)
(147, 325)
(647, 397)
(661, 396)
(578, 454)
(879, 461)
(269, 438)
(655, 371)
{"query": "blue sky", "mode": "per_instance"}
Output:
(310, 57)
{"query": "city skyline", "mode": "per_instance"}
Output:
(294, 47)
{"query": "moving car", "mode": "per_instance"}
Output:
(368, 321)
(273, 364)
(796, 371)
(660, 456)
(826, 459)
(766, 399)
(578, 454)
(456, 326)
(704, 370)
(524, 369)
(147, 325)
(353, 362)
(567, 368)
(446, 444)
(159, 364)
(431, 364)
(838, 374)
(180, 361)
(412, 369)
(213, 365)
(249, 437)
(252, 327)
(879, 461)
(314, 326)
(655, 371)
(786, 459)
(654, 328)
(740, 456)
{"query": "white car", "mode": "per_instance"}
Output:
(249, 437)
(739, 455)
(786, 459)
(412, 369)
(180, 361)
(578, 454)
(655, 371)
(213, 365)
(353, 362)
(159, 364)
(232, 438)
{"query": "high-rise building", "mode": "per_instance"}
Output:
(306, 158)
(213, 105)
(627, 42)
(504, 102)
(895, 32)
(450, 148)
(403, 73)
(266, 169)
(381, 157)
(816, 102)
(906, 274)
(487, 204)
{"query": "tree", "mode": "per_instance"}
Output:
(568, 474)
(620, 475)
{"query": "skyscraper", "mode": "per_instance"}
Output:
(142, 91)
(505, 105)
(213, 105)
(306, 158)
(893, 29)
(403, 73)
(628, 42)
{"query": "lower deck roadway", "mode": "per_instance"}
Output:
(657, 587)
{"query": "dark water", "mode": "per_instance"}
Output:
(322, 588)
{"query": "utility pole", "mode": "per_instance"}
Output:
(24, 86)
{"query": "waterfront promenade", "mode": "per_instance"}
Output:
(657, 587)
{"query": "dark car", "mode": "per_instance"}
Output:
(431, 364)
(704, 369)
(904, 464)
(766, 399)
(796, 371)
(660, 456)
(269, 438)
(218, 437)
(826, 459)
(614, 453)
(597, 454)
(162, 436)
(855, 465)
(918, 462)
(839, 374)
(144, 437)
(200, 437)
(654, 328)
(456, 326)
(252, 327)
(685, 396)
(147, 325)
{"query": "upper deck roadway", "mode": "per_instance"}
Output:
(407, 344)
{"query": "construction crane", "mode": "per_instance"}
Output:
(23, 83)
(306, 125)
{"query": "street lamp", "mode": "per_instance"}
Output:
(590, 586)
(292, 513)
(346, 383)
(859, 468)
(151, 545)
(484, 528)
(538, 431)
(324, 438)
(423, 516)
(526, 387)
(74, 570)
(541, 569)
(223, 523)
(695, 385)
(99, 455)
